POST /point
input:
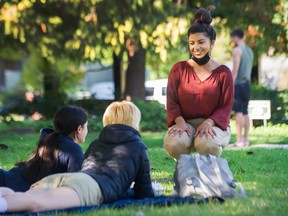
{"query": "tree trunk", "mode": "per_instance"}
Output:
(135, 74)
(117, 60)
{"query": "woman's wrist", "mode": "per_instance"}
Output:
(206, 122)
(180, 120)
(209, 122)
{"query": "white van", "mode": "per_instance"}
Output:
(156, 90)
(103, 91)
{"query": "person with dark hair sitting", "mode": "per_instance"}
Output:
(199, 96)
(57, 151)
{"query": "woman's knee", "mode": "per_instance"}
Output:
(205, 145)
(174, 146)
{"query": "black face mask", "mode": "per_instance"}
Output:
(202, 61)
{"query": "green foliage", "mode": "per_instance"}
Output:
(279, 102)
(284, 94)
(66, 73)
(264, 21)
(6, 52)
(95, 124)
(155, 35)
(161, 69)
(53, 80)
(95, 108)
(32, 74)
(153, 115)
(221, 52)
(281, 19)
(94, 30)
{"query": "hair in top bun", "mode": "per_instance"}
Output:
(203, 16)
(202, 23)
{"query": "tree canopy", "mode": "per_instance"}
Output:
(110, 31)
(92, 29)
(265, 22)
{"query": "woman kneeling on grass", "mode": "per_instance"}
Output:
(112, 163)
(57, 151)
(199, 96)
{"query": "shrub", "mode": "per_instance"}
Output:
(95, 124)
(95, 108)
(153, 115)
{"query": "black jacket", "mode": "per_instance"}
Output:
(117, 159)
(70, 159)
(70, 156)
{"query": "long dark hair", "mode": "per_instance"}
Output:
(202, 22)
(45, 156)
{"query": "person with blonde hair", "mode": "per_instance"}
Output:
(111, 164)
(123, 112)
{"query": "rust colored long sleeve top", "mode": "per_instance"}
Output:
(190, 98)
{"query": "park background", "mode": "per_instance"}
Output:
(51, 52)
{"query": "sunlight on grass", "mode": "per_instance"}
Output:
(274, 134)
(160, 174)
(262, 172)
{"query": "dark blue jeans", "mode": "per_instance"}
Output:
(13, 179)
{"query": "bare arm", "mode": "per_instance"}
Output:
(237, 53)
(221, 115)
(35, 200)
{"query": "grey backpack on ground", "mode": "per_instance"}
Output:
(205, 176)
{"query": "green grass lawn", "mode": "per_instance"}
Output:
(263, 173)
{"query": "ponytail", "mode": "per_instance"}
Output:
(44, 160)
(45, 157)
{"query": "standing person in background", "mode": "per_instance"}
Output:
(242, 68)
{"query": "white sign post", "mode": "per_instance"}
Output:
(260, 109)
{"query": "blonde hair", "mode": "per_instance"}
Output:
(124, 112)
